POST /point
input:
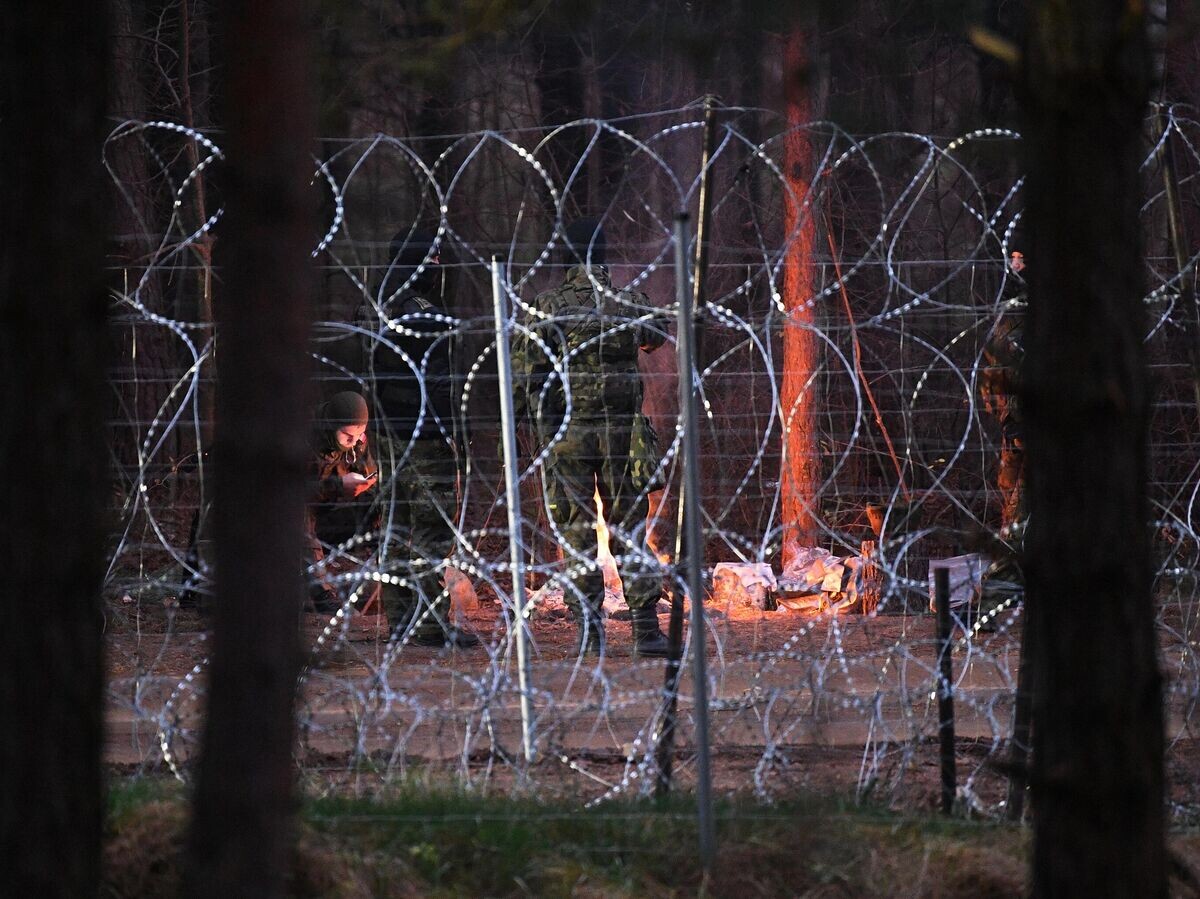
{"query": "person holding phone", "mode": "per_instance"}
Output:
(342, 470)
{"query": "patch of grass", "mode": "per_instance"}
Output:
(463, 845)
(126, 795)
(426, 842)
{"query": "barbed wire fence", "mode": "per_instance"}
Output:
(823, 652)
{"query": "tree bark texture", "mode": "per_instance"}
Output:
(801, 467)
(52, 340)
(241, 833)
(1098, 724)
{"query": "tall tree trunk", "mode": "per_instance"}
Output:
(144, 351)
(1098, 726)
(801, 469)
(52, 326)
(241, 833)
(193, 40)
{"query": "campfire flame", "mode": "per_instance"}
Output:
(603, 552)
(604, 556)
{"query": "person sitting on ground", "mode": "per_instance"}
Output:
(341, 470)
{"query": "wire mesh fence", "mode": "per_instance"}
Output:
(859, 429)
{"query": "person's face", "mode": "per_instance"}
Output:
(349, 435)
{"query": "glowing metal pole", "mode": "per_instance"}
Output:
(693, 539)
(664, 750)
(512, 493)
(665, 738)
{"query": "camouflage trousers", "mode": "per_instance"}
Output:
(423, 510)
(609, 456)
(1010, 481)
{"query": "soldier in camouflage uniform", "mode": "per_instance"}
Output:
(416, 353)
(998, 387)
(607, 445)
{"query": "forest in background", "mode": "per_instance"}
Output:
(1085, 719)
(427, 74)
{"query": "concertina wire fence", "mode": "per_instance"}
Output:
(816, 672)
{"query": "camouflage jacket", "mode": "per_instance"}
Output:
(595, 333)
(999, 375)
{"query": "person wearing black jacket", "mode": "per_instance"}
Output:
(341, 470)
(409, 358)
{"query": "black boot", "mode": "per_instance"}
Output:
(323, 600)
(648, 640)
(590, 641)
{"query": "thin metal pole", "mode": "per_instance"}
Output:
(704, 225)
(691, 335)
(941, 595)
(512, 493)
(694, 543)
(664, 756)
(665, 745)
(1018, 778)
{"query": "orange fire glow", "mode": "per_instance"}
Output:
(604, 556)
(603, 552)
(800, 474)
(656, 526)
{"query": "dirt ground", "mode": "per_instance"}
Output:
(153, 646)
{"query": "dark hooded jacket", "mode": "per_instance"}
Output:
(423, 333)
(331, 507)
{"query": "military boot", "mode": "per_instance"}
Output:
(590, 638)
(648, 640)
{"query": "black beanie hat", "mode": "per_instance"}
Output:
(345, 408)
(585, 242)
(410, 246)
(408, 249)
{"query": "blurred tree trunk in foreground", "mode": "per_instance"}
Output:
(52, 338)
(241, 833)
(1098, 726)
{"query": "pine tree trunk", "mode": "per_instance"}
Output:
(241, 833)
(1098, 726)
(801, 468)
(52, 445)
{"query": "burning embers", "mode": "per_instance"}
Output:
(813, 580)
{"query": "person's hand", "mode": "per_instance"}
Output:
(353, 484)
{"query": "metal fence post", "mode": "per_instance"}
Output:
(941, 594)
(693, 563)
(1018, 778)
(512, 493)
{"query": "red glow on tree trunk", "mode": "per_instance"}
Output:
(800, 464)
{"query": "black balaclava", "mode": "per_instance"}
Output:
(585, 243)
(409, 248)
